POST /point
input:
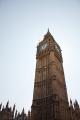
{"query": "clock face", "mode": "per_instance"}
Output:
(56, 47)
(44, 46)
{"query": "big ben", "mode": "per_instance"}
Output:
(50, 100)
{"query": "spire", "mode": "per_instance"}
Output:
(70, 102)
(0, 106)
(14, 108)
(48, 30)
(48, 34)
(7, 105)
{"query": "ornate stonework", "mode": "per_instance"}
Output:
(50, 99)
(50, 95)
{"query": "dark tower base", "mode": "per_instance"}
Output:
(46, 109)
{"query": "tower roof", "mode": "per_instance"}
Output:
(48, 34)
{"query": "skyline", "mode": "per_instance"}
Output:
(23, 23)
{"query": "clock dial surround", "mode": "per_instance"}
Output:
(44, 46)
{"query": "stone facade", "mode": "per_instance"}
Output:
(50, 99)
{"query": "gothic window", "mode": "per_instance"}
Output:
(44, 73)
(56, 110)
(43, 88)
(49, 87)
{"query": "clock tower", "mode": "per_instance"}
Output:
(50, 100)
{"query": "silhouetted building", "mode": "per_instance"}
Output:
(6, 113)
(9, 113)
(50, 99)
(74, 110)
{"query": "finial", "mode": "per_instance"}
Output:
(7, 105)
(16, 114)
(29, 113)
(14, 107)
(48, 33)
(0, 106)
(23, 111)
(48, 30)
(70, 101)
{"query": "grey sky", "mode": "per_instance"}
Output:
(23, 24)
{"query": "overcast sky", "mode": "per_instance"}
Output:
(23, 23)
